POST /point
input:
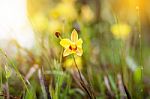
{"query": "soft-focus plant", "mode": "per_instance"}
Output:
(64, 10)
(120, 30)
(87, 14)
(8, 71)
(69, 63)
(55, 25)
(39, 22)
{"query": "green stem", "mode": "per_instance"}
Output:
(82, 81)
(140, 39)
(16, 70)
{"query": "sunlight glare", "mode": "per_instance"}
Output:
(14, 23)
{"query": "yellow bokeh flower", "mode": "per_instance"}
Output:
(87, 14)
(120, 31)
(64, 10)
(72, 46)
(39, 22)
(71, 1)
(70, 65)
(54, 25)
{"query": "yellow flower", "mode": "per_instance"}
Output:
(120, 30)
(64, 10)
(40, 22)
(87, 14)
(54, 25)
(72, 46)
(70, 65)
(70, 1)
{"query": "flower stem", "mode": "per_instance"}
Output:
(82, 81)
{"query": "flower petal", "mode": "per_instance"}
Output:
(67, 52)
(65, 43)
(79, 43)
(79, 52)
(74, 36)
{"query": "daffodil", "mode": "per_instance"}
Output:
(120, 30)
(72, 46)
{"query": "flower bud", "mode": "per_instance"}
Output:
(57, 34)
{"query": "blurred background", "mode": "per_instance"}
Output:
(116, 49)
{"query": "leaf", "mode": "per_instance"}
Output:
(8, 72)
(131, 63)
(138, 74)
(112, 82)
